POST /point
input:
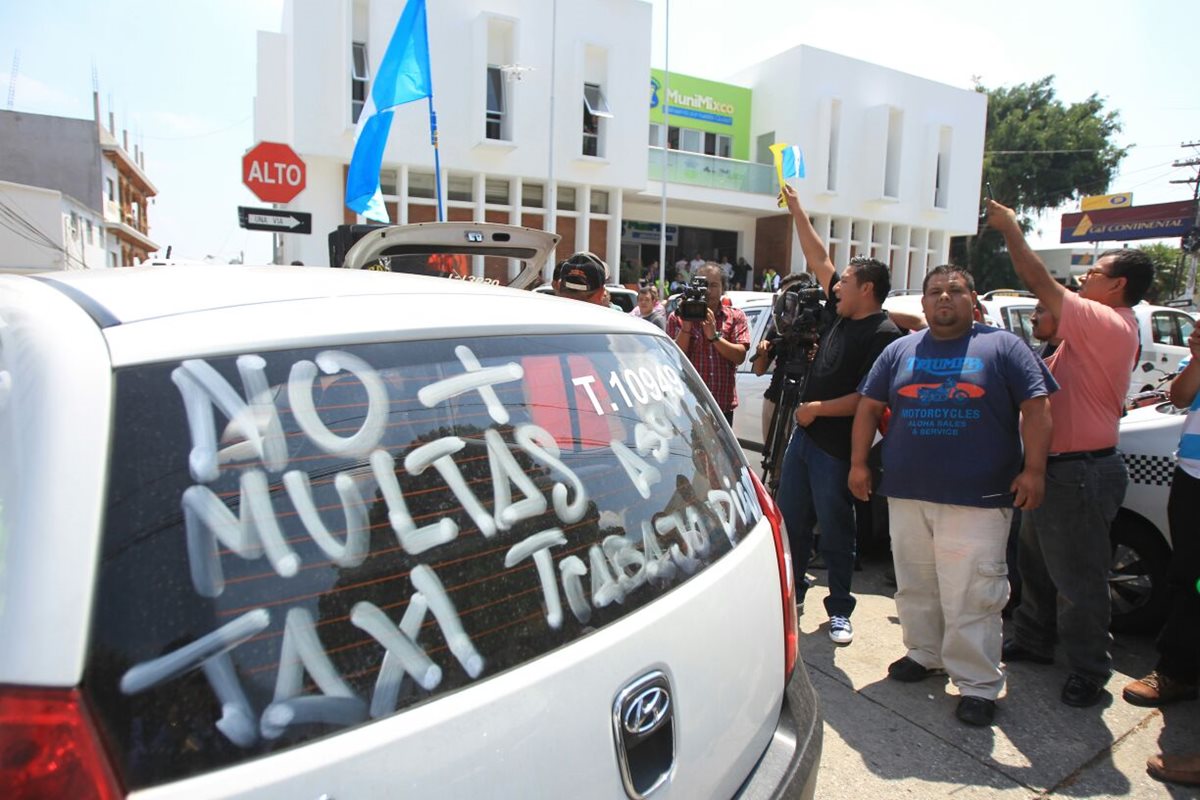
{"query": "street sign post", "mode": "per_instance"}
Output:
(273, 219)
(274, 172)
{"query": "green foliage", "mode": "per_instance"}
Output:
(1168, 280)
(1038, 154)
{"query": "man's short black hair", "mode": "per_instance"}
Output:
(875, 272)
(949, 269)
(1136, 268)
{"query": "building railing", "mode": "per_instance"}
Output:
(697, 169)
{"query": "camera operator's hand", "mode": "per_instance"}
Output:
(860, 481)
(806, 413)
(709, 326)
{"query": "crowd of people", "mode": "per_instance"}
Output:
(981, 437)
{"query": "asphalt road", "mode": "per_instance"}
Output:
(885, 739)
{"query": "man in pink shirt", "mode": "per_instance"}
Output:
(1064, 547)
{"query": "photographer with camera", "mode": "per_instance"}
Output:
(854, 329)
(715, 337)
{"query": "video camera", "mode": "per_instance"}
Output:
(693, 306)
(796, 312)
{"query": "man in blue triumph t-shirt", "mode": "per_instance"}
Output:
(963, 399)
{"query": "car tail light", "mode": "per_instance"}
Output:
(50, 748)
(787, 581)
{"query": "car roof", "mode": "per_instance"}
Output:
(133, 294)
(156, 313)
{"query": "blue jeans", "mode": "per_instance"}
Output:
(1065, 556)
(812, 492)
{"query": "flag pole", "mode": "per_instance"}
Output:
(437, 158)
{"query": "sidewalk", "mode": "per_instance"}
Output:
(885, 739)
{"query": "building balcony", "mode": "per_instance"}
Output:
(112, 211)
(697, 169)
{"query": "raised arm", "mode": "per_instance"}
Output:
(1029, 267)
(815, 253)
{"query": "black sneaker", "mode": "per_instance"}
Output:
(1081, 692)
(977, 711)
(908, 671)
(1014, 651)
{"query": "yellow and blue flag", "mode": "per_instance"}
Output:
(403, 77)
(789, 161)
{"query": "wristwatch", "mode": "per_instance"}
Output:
(717, 336)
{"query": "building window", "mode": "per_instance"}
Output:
(599, 204)
(691, 141)
(112, 190)
(90, 239)
(460, 187)
(533, 195)
(495, 128)
(656, 135)
(835, 135)
(358, 79)
(717, 144)
(941, 178)
(112, 260)
(500, 71)
(895, 140)
(495, 191)
(595, 109)
(566, 198)
(389, 182)
(421, 184)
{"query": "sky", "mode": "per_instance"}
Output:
(181, 77)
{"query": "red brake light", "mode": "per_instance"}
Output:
(49, 747)
(787, 582)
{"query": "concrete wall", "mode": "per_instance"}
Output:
(53, 153)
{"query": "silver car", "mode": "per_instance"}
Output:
(282, 532)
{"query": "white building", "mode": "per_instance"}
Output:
(48, 230)
(543, 121)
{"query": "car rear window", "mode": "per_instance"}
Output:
(302, 541)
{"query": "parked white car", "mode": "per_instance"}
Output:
(281, 532)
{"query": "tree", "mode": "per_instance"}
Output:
(1038, 154)
(1168, 282)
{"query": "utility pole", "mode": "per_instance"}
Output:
(1190, 245)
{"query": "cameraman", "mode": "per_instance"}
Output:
(813, 481)
(716, 344)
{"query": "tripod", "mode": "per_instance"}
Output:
(783, 421)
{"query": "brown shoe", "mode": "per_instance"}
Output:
(1183, 768)
(1157, 689)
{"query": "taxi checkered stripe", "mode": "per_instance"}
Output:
(1150, 470)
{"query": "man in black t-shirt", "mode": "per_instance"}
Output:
(813, 483)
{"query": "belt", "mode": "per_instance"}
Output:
(1081, 454)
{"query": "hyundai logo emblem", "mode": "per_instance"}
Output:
(645, 711)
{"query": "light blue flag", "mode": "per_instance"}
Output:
(793, 162)
(403, 76)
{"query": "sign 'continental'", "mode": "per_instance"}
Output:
(1123, 224)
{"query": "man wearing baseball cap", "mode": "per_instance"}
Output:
(582, 277)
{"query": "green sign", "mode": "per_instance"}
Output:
(708, 106)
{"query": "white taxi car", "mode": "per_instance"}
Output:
(282, 532)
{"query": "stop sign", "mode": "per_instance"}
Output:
(273, 172)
